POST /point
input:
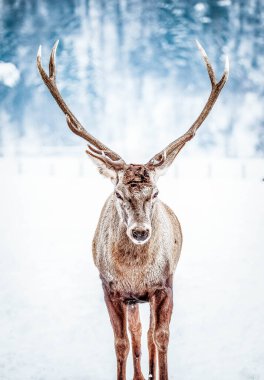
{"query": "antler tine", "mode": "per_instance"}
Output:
(73, 123)
(209, 67)
(101, 152)
(173, 148)
(102, 156)
(52, 63)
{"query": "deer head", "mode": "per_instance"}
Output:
(135, 185)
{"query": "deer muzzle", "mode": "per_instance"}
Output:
(139, 233)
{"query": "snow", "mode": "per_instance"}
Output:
(53, 321)
(9, 74)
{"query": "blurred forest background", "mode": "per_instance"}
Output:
(131, 73)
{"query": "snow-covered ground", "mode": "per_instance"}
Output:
(53, 321)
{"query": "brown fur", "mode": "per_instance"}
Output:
(135, 329)
(133, 273)
(135, 174)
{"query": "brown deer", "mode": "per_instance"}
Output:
(138, 239)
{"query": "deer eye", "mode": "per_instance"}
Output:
(118, 195)
(155, 194)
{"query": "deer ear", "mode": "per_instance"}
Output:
(104, 168)
(158, 172)
(162, 163)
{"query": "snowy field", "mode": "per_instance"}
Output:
(53, 321)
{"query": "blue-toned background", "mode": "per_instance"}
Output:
(131, 72)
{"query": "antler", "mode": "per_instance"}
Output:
(104, 156)
(169, 153)
(99, 150)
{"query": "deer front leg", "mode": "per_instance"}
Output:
(135, 329)
(163, 304)
(117, 312)
(151, 345)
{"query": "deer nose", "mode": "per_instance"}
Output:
(140, 234)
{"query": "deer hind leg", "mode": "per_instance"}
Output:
(135, 329)
(118, 315)
(151, 345)
(163, 304)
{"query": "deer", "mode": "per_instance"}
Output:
(138, 239)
